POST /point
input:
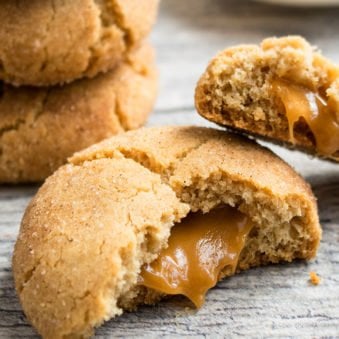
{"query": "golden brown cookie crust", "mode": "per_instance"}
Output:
(54, 42)
(236, 88)
(40, 128)
(97, 219)
(100, 216)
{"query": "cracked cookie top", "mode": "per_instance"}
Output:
(98, 219)
(41, 127)
(55, 42)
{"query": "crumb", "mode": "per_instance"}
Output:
(314, 278)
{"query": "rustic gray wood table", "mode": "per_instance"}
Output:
(274, 301)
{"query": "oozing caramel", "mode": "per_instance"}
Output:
(199, 248)
(300, 102)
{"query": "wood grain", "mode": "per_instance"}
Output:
(273, 301)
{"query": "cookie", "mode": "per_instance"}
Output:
(40, 128)
(94, 236)
(47, 42)
(283, 90)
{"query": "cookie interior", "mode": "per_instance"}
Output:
(281, 89)
(269, 234)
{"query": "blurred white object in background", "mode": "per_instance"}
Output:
(304, 3)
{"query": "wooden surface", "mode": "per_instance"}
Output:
(266, 302)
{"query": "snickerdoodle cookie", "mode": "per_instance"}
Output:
(46, 42)
(283, 90)
(40, 128)
(92, 241)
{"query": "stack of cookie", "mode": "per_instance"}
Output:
(72, 73)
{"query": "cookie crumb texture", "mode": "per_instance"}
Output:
(252, 89)
(98, 219)
(40, 128)
(54, 42)
(314, 278)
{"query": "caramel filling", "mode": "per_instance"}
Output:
(199, 249)
(299, 103)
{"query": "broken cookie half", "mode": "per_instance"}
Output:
(283, 90)
(155, 212)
